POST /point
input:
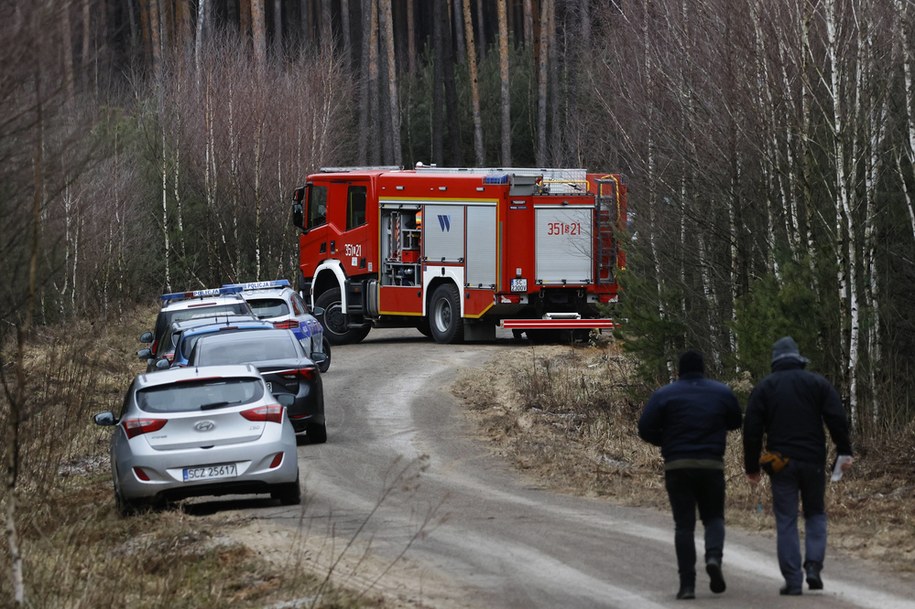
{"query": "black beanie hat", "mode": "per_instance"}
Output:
(691, 362)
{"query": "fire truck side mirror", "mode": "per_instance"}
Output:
(298, 210)
(298, 215)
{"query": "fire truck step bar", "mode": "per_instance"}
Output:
(557, 324)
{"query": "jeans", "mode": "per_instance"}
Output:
(807, 480)
(688, 489)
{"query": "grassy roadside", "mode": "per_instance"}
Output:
(77, 552)
(567, 417)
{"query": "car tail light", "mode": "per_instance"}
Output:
(289, 324)
(277, 460)
(271, 413)
(139, 473)
(136, 427)
(308, 373)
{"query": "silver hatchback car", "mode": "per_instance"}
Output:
(213, 430)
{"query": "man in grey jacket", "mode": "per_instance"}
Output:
(789, 408)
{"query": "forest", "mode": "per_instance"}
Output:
(153, 145)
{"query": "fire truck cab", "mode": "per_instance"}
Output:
(454, 252)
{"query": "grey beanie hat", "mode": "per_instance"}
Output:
(785, 348)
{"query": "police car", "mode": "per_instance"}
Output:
(180, 306)
(275, 301)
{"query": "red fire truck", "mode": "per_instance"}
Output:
(454, 252)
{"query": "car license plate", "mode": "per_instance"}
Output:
(210, 472)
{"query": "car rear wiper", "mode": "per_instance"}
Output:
(213, 405)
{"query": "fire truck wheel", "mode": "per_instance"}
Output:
(445, 315)
(335, 328)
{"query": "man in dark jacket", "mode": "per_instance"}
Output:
(689, 419)
(789, 408)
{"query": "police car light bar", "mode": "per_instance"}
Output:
(223, 291)
(259, 285)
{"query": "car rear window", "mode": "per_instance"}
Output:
(203, 394)
(269, 307)
(260, 346)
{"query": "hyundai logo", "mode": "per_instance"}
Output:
(445, 222)
(205, 426)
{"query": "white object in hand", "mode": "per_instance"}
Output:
(837, 471)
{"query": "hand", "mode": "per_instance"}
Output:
(754, 478)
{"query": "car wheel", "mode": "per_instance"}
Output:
(125, 507)
(445, 315)
(325, 347)
(289, 493)
(334, 321)
(316, 433)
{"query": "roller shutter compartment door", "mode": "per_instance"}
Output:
(563, 245)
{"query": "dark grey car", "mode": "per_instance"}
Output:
(282, 361)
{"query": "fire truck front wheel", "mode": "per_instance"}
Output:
(336, 330)
(445, 314)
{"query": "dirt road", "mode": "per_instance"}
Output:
(405, 502)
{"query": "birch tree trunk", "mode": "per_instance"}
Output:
(845, 230)
(474, 88)
(505, 88)
(165, 226)
(202, 19)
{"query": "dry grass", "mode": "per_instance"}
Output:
(567, 416)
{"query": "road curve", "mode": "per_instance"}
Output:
(407, 499)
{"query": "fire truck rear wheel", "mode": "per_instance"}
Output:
(445, 315)
(335, 330)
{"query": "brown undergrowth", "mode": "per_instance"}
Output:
(567, 416)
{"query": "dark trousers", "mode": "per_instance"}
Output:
(687, 490)
(807, 481)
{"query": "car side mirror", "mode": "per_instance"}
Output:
(321, 360)
(285, 399)
(105, 419)
(146, 337)
(317, 311)
(162, 364)
(144, 353)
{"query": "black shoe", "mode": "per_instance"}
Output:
(789, 591)
(713, 568)
(814, 581)
(686, 593)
